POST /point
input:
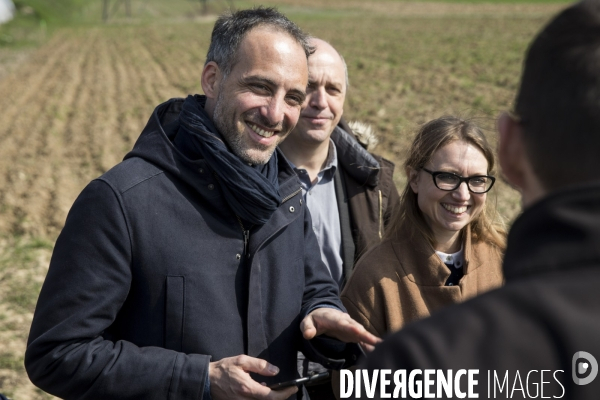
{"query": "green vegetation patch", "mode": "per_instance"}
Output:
(50, 11)
(23, 263)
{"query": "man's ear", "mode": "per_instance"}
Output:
(411, 176)
(511, 150)
(211, 77)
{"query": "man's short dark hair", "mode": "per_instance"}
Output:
(231, 28)
(559, 99)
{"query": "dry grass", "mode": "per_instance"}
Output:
(74, 107)
(23, 266)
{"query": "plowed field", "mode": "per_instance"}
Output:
(75, 106)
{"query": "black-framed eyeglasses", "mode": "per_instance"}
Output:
(449, 181)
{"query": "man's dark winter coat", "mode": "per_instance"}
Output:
(151, 279)
(548, 311)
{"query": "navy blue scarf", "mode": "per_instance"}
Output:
(252, 192)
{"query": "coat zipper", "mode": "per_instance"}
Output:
(282, 201)
(246, 234)
(291, 195)
(380, 215)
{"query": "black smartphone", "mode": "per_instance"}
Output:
(296, 382)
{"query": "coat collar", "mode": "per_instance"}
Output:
(423, 266)
(354, 159)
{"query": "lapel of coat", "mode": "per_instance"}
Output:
(477, 254)
(348, 247)
(418, 259)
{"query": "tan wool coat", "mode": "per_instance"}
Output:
(402, 280)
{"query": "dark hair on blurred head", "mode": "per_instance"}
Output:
(231, 28)
(558, 103)
(432, 136)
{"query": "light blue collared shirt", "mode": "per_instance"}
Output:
(321, 201)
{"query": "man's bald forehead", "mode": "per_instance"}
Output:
(322, 45)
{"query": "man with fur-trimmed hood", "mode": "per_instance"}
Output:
(349, 192)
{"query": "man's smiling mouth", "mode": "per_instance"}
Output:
(260, 131)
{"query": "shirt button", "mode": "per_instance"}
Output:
(292, 209)
(201, 170)
(451, 284)
(238, 256)
(300, 201)
(211, 186)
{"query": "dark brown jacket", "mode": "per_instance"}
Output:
(369, 195)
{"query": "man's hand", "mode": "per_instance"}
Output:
(336, 324)
(229, 379)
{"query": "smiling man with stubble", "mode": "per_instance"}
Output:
(190, 269)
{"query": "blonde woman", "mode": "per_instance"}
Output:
(442, 247)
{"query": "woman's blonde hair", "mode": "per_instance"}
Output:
(432, 136)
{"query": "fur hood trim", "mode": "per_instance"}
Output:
(353, 157)
(365, 134)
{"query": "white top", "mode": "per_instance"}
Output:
(457, 259)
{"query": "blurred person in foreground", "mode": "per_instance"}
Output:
(443, 246)
(349, 192)
(548, 313)
(192, 264)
